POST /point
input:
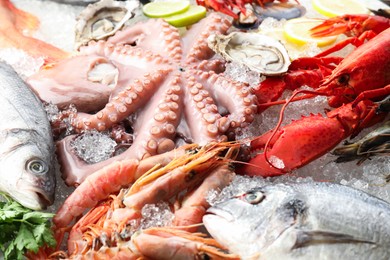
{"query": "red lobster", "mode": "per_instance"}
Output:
(358, 28)
(227, 7)
(361, 77)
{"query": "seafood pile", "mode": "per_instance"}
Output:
(154, 124)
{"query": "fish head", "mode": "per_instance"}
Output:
(251, 221)
(28, 175)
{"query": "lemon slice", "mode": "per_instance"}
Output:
(191, 16)
(331, 8)
(297, 31)
(163, 9)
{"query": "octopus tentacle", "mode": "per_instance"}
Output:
(216, 65)
(235, 97)
(195, 42)
(122, 105)
(201, 113)
(166, 42)
(155, 129)
(95, 47)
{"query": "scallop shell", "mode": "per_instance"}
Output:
(100, 20)
(259, 52)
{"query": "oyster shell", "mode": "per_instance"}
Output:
(100, 20)
(259, 52)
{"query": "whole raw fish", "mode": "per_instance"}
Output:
(27, 169)
(302, 221)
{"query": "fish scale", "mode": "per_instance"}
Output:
(27, 170)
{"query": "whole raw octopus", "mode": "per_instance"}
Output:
(169, 85)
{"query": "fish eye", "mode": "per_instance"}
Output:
(37, 166)
(254, 197)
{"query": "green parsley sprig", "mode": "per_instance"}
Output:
(22, 229)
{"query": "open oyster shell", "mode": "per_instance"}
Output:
(259, 52)
(100, 20)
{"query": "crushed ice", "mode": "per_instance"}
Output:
(57, 21)
(156, 215)
(152, 215)
(241, 73)
(59, 119)
(93, 146)
(52, 112)
(23, 64)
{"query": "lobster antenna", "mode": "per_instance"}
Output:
(281, 115)
(284, 101)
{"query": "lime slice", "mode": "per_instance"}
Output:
(163, 9)
(331, 8)
(297, 31)
(191, 16)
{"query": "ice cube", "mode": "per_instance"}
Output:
(52, 112)
(270, 24)
(93, 146)
(156, 215)
(241, 73)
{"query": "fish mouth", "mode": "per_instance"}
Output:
(220, 213)
(33, 198)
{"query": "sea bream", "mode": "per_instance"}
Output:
(302, 221)
(27, 169)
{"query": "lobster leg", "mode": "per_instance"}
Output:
(374, 93)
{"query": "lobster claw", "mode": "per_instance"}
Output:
(339, 25)
(308, 138)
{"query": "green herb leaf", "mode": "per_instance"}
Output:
(23, 230)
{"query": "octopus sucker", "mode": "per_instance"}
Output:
(171, 87)
(238, 101)
(161, 129)
(194, 113)
(194, 43)
(117, 110)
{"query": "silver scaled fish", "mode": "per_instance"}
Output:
(302, 221)
(27, 168)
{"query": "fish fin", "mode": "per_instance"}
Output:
(24, 21)
(307, 238)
